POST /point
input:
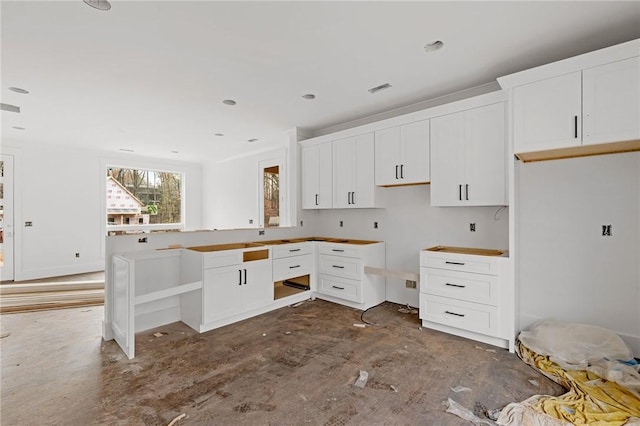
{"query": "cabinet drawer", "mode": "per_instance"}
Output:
(477, 288)
(345, 250)
(340, 267)
(288, 250)
(338, 287)
(457, 313)
(290, 267)
(221, 258)
(463, 263)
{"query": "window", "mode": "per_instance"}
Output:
(140, 200)
(271, 196)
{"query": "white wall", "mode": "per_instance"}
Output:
(567, 269)
(71, 221)
(409, 224)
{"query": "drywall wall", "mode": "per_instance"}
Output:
(567, 269)
(409, 224)
(61, 192)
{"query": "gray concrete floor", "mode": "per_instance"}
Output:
(290, 366)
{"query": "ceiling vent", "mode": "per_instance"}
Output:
(10, 108)
(379, 88)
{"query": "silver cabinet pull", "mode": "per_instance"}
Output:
(455, 285)
(453, 313)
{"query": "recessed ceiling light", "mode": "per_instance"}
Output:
(18, 128)
(19, 90)
(309, 96)
(433, 46)
(175, 152)
(10, 108)
(98, 4)
(219, 134)
(253, 140)
(229, 102)
(379, 88)
(126, 150)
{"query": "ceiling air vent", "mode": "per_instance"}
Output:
(379, 88)
(10, 108)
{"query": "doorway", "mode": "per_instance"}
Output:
(6, 218)
(272, 210)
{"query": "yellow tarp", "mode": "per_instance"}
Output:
(591, 400)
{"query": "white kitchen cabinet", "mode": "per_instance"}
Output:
(468, 157)
(316, 176)
(341, 276)
(468, 295)
(354, 172)
(402, 154)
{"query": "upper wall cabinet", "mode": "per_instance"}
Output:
(574, 106)
(316, 176)
(353, 172)
(402, 154)
(468, 157)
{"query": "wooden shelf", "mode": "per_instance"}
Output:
(167, 292)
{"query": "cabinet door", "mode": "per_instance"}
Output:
(257, 286)
(611, 102)
(221, 292)
(485, 156)
(344, 154)
(387, 156)
(414, 153)
(547, 114)
(316, 176)
(447, 154)
(364, 176)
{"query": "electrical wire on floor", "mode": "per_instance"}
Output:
(367, 310)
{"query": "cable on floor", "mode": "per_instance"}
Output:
(365, 311)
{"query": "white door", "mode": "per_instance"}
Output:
(485, 156)
(547, 114)
(447, 158)
(414, 153)
(364, 178)
(387, 156)
(6, 218)
(611, 102)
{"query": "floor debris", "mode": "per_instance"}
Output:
(362, 379)
(534, 382)
(491, 350)
(264, 334)
(463, 413)
(6, 334)
(393, 388)
(177, 419)
(295, 305)
(304, 398)
(460, 389)
(287, 332)
(158, 334)
(355, 324)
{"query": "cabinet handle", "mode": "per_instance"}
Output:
(575, 126)
(466, 192)
(339, 288)
(396, 172)
(293, 267)
(338, 250)
(455, 285)
(453, 313)
(245, 276)
(401, 171)
(316, 199)
(460, 192)
(338, 266)
(240, 277)
(348, 198)
(454, 263)
(292, 250)
(353, 198)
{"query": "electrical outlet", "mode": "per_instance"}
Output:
(250, 221)
(375, 225)
(28, 223)
(472, 227)
(341, 224)
(261, 232)
(142, 240)
(606, 230)
(301, 223)
(410, 284)
(77, 254)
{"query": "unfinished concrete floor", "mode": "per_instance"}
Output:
(288, 367)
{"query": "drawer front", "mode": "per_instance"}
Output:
(456, 313)
(294, 249)
(463, 263)
(290, 267)
(346, 250)
(221, 258)
(477, 288)
(340, 267)
(338, 287)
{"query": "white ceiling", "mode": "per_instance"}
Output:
(151, 75)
